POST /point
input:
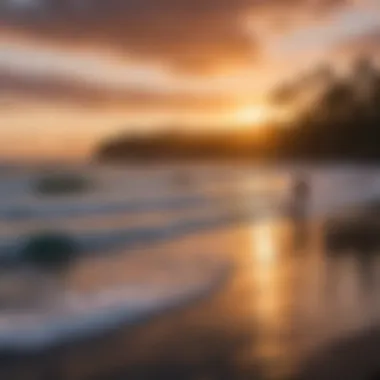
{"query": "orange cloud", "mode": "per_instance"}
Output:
(191, 35)
(85, 95)
(367, 45)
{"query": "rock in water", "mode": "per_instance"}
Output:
(49, 251)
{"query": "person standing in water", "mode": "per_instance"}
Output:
(300, 210)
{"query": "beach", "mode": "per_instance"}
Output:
(235, 300)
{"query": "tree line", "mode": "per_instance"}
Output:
(338, 119)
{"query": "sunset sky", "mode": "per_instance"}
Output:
(75, 71)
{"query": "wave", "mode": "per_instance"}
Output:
(84, 317)
(59, 210)
(81, 317)
(102, 241)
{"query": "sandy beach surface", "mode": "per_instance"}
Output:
(277, 308)
(202, 282)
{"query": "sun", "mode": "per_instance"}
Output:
(252, 116)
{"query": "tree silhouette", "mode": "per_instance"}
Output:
(339, 119)
(343, 120)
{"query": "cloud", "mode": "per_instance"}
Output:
(75, 93)
(364, 45)
(191, 35)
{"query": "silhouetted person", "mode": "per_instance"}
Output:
(299, 210)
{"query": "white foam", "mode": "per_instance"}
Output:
(79, 316)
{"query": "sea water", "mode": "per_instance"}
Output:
(129, 213)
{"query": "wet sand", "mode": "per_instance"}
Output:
(278, 307)
(353, 358)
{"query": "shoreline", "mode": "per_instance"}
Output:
(98, 345)
(73, 330)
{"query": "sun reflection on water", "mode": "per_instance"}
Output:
(265, 258)
(263, 244)
(271, 294)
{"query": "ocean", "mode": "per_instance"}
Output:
(156, 238)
